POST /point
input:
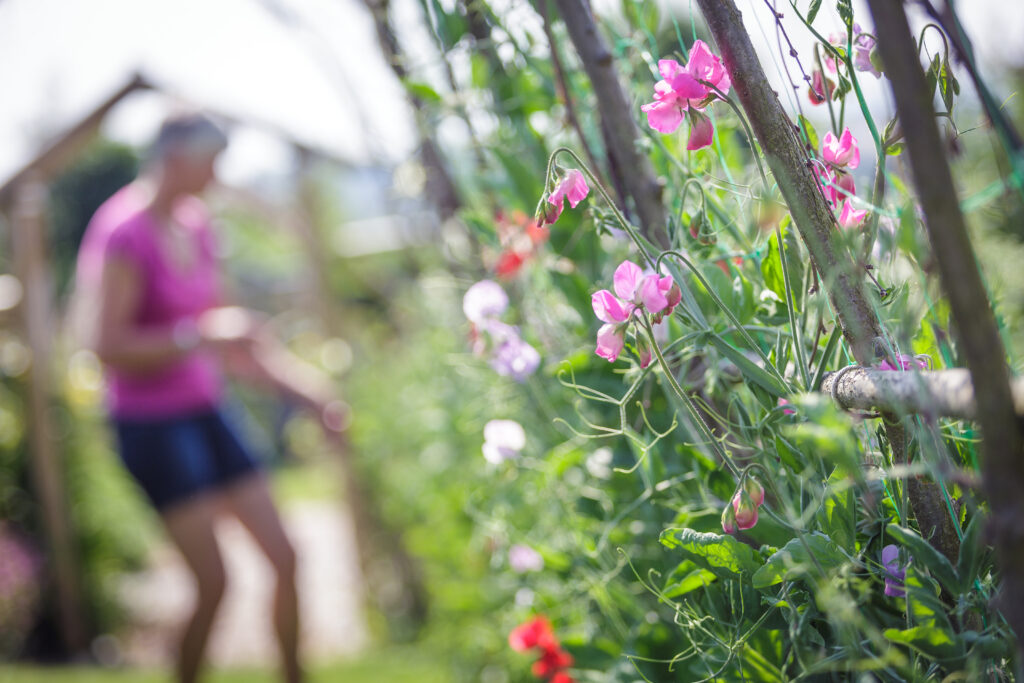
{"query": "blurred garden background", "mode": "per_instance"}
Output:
(387, 155)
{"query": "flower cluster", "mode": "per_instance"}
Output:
(503, 440)
(511, 357)
(841, 155)
(573, 186)
(741, 512)
(537, 634)
(635, 290)
(865, 56)
(685, 91)
(895, 573)
(520, 237)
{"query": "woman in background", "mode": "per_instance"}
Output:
(149, 277)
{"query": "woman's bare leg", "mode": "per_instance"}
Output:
(190, 525)
(249, 499)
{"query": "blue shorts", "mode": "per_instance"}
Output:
(177, 458)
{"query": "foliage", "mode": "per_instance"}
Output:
(627, 468)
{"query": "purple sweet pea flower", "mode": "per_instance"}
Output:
(515, 358)
(894, 573)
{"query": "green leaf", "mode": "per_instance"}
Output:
(793, 561)
(894, 149)
(972, 552)
(685, 578)
(932, 77)
(928, 640)
(945, 85)
(751, 370)
(812, 11)
(724, 556)
(809, 132)
(838, 511)
(924, 555)
(422, 91)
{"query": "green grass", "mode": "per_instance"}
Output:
(391, 665)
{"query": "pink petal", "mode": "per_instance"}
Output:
(850, 217)
(849, 154)
(552, 213)
(576, 189)
(844, 182)
(830, 148)
(668, 68)
(626, 280)
(608, 308)
(687, 87)
(610, 340)
(706, 66)
(653, 298)
(702, 131)
(663, 117)
(483, 301)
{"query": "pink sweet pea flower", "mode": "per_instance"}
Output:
(523, 558)
(850, 217)
(786, 411)
(608, 308)
(842, 151)
(707, 67)
(683, 88)
(729, 520)
(754, 489)
(503, 440)
(627, 279)
(818, 87)
(651, 294)
(573, 187)
(745, 509)
(611, 338)
(702, 131)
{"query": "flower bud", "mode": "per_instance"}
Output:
(754, 490)
(729, 520)
(746, 511)
(876, 60)
(549, 212)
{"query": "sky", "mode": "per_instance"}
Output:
(328, 88)
(308, 68)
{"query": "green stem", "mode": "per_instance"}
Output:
(801, 361)
(691, 408)
(725, 309)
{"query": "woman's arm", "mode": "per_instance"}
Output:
(113, 337)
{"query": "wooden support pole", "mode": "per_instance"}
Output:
(622, 135)
(1002, 430)
(28, 233)
(841, 275)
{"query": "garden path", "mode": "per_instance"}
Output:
(158, 599)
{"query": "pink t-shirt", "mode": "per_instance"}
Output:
(123, 229)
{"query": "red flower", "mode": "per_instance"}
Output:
(509, 264)
(551, 662)
(534, 633)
